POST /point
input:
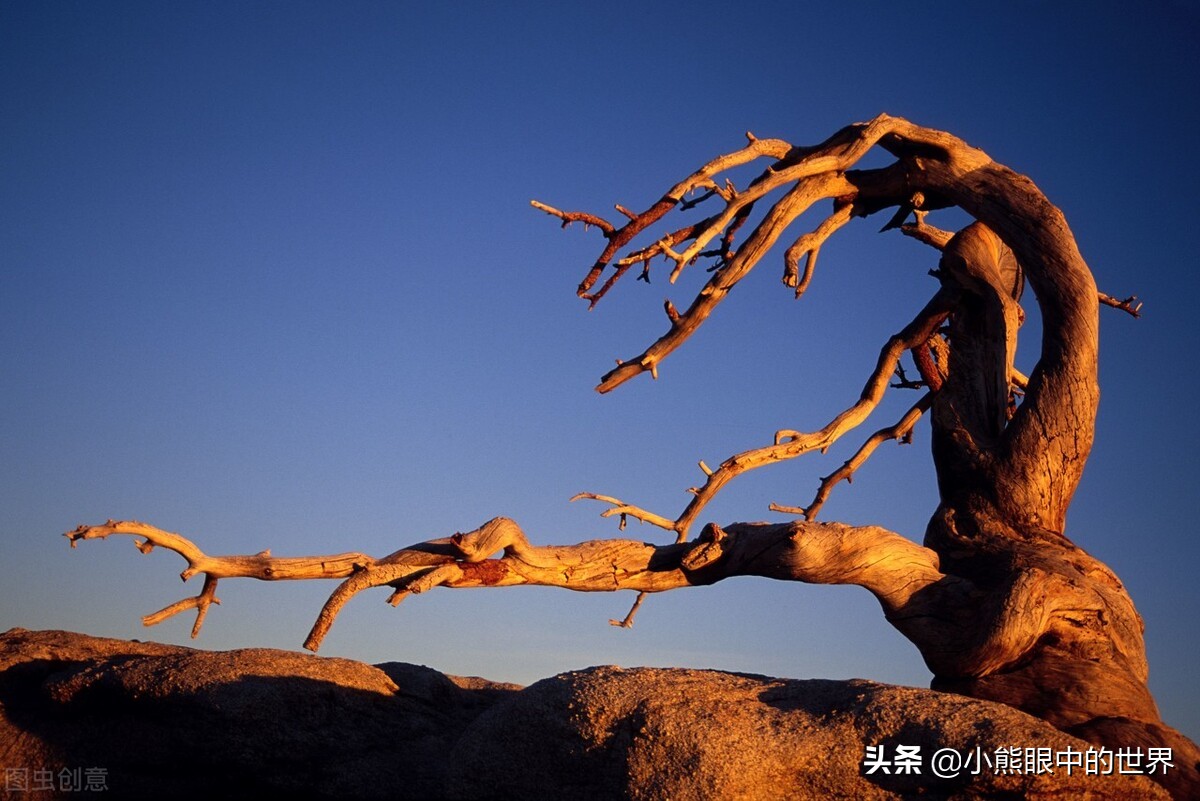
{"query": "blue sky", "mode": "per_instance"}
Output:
(269, 278)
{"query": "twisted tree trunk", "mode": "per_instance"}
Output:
(1000, 603)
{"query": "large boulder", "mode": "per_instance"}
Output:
(171, 722)
(650, 733)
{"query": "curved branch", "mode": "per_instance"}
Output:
(890, 566)
(791, 206)
(260, 566)
(901, 430)
(921, 231)
(940, 169)
(833, 157)
(620, 237)
(201, 602)
(809, 246)
(623, 509)
(791, 444)
(815, 173)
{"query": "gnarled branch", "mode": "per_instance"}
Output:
(890, 566)
(791, 444)
(260, 566)
(901, 430)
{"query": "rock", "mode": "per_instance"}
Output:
(651, 733)
(172, 722)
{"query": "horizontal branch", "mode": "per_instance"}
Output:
(890, 566)
(569, 217)
(940, 613)
(1131, 305)
(260, 566)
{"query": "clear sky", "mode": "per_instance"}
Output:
(269, 278)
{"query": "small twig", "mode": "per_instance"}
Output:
(691, 204)
(627, 621)
(595, 297)
(1130, 305)
(904, 382)
(622, 509)
(934, 237)
(569, 217)
(200, 603)
(672, 312)
(906, 208)
(901, 430)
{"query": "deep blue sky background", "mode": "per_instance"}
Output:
(269, 278)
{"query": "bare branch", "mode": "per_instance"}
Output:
(901, 430)
(835, 156)
(200, 603)
(620, 237)
(627, 621)
(920, 231)
(675, 237)
(799, 551)
(790, 444)
(569, 217)
(595, 297)
(764, 236)
(904, 382)
(1131, 304)
(693, 202)
(407, 570)
(809, 246)
(623, 509)
(814, 173)
(260, 566)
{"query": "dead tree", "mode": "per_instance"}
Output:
(1000, 603)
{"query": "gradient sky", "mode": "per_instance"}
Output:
(269, 278)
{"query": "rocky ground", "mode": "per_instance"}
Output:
(158, 721)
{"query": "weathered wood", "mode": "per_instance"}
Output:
(1000, 603)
